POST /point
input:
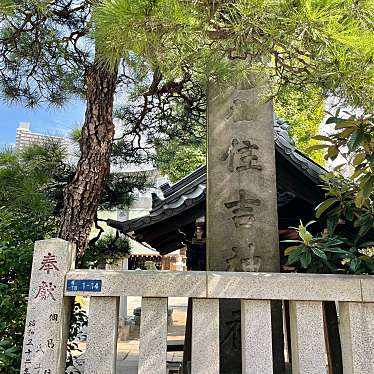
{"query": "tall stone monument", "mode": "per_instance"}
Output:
(242, 232)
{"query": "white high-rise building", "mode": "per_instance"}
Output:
(24, 137)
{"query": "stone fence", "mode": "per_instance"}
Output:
(54, 281)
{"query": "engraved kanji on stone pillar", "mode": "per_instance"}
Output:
(242, 232)
(243, 259)
(241, 190)
(242, 209)
(241, 153)
(46, 329)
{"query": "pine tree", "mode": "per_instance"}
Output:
(48, 54)
(51, 51)
(324, 45)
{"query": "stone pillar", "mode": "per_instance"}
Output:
(123, 299)
(242, 233)
(101, 349)
(48, 311)
(256, 334)
(205, 337)
(357, 337)
(153, 336)
(307, 337)
(120, 265)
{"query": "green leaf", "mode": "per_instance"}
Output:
(333, 120)
(304, 234)
(338, 250)
(295, 256)
(321, 208)
(359, 199)
(309, 223)
(367, 187)
(345, 134)
(354, 264)
(332, 222)
(289, 250)
(306, 259)
(359, 158)
(362, 219)
(322, 138)
(345, 124)
(355, 140)
(316, 147)
(349, 213)
(359, 170)
(319, 253)
(364, 229)
(333, 152)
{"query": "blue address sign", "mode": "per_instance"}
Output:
(84, 285)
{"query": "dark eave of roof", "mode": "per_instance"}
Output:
(190, 191)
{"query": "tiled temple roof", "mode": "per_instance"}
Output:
(286, 146)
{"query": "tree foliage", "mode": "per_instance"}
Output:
(50, 50)
(48, 53)
(26, 215)
(31, 184)
(304, 111)
(176, 159)
(349, 204)
(353, 140)
(329, 254)
(106, 249)
(308, 50)
(28, 178)
(43, 48)
(323, 44)
(160, 117)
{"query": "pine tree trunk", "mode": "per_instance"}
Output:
(82, 195)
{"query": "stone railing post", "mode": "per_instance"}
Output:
(120, 265)
(357, 337)
(48, 311)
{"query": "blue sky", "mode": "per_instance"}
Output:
(42, 119)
